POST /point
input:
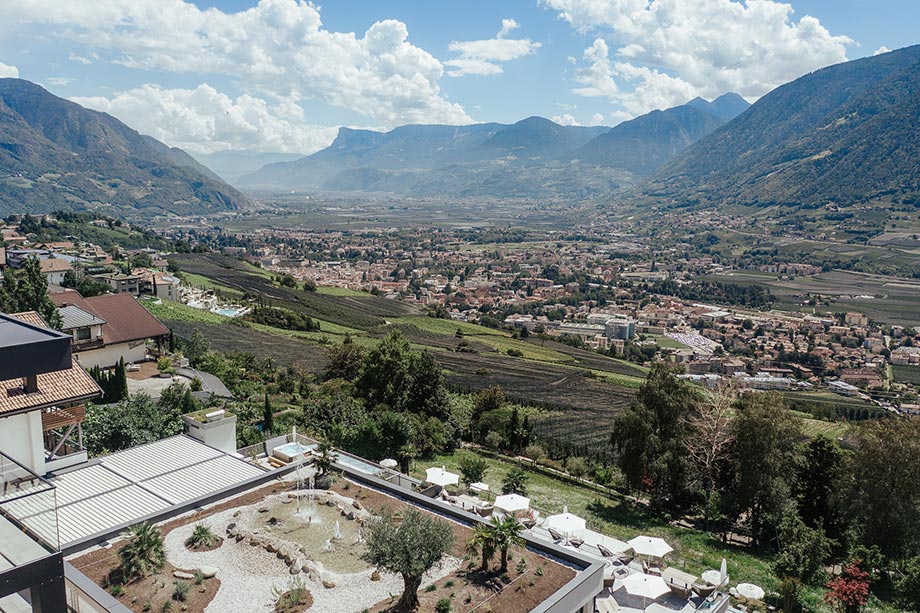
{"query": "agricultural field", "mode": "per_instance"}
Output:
(884, 299)
(906, 374)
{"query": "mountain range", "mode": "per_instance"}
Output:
(842, 135)
(55, 154)
(534, 157)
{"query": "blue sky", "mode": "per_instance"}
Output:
(281, 75)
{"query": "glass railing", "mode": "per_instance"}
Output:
(28, 515)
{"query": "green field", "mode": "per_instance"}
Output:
(906, 374)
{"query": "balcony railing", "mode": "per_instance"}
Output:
(28, 515)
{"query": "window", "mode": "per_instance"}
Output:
(83, 334)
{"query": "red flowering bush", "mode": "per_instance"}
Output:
(850, 590)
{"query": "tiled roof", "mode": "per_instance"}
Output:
(55, 265)
(30, 317)
(126, 320)
(54, 388)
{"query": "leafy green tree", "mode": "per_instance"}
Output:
(386, 377)
(427, 393)
(136, 420)
(884, 492)
(650, 437)
(515, 482)
(408, 548)
(472, 468)
(345, 361)
(909, 584)
(26, 289)
(819, 476)
(803, 551)
(142, 553)
(766, 445)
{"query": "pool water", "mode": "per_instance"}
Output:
(291, 451)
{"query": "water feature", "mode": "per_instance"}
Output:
(317, 522)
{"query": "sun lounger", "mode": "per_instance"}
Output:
(556, 536)
(604, 551)
(576, 543)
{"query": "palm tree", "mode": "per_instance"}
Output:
(506, 533)
(482, 542)
(515, 482)
(143, 552)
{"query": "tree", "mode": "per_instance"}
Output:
(710, 441)
(142, 552)
(849, 591)
(26, 289)
(884, 494)
(427, 393)
(120, 381)
(386, 376)
(506, 532)
(515, 482)
(766, 443)
(325, 458)
(481, 543)
(819, 476)
(650, 436)
(345, 361)
(802, 550)
(909, 584)
(408, 548)
(268, 416)
(472, 468)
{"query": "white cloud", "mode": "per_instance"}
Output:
(59, 81)
(597, 119)
(8, 72)
(204, 120)
(279, 47)
(73, 57)
(881, 50)
(565, 120)
(668, 51)
(482, 57)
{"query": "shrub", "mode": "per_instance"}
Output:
(143, 552)
(180, 592)
(521, 566)
(117, 590)
(431, 588)
(167, 606)
(293, 594)
(201, 537)
(199, 578)
(493, 440)
(443, 606)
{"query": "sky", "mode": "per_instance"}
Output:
(282, 75)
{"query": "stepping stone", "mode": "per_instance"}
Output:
(208, 571)
(181, 574)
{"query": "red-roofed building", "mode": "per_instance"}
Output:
(119, 328)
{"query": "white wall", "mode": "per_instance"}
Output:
(108, 356)
(21, 439)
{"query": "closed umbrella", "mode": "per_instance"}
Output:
(509, 503)
(723, 571)
(650, 546)
(564, 522)
(647, 586)
(439, 476)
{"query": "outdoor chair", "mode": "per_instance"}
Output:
(556, 536)
(604, 551)
(576, 543)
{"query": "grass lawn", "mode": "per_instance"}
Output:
(447, 326)
(619, 379)
(620, 518)
(206, 283)
(666, 342)
(338, 291)
(168, 310)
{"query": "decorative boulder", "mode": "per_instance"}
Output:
(181, 574)
(208, 571)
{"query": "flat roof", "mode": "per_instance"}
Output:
(28, 349)
(128, 485)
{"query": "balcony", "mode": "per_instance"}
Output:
(63, 436)
(28, 516)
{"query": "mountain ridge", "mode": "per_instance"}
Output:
(843, 134)
(56, 154)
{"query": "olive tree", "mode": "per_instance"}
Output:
(409, 547)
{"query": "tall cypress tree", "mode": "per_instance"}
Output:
(268, 416)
